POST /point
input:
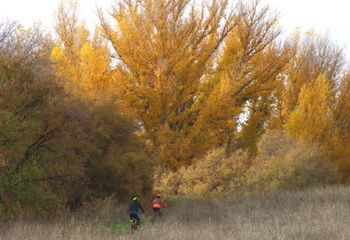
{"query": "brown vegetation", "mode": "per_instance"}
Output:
(319, 214)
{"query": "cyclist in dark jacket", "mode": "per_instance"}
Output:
(134, 210)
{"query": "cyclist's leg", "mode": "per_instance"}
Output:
(136, 217)
(133, 216)
(156, 212)
(133, 222)
(138, 220)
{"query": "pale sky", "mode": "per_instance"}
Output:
(320, 15)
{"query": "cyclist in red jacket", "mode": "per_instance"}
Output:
(158, 204)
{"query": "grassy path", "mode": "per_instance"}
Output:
(310, 215)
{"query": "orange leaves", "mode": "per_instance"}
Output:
(84, 62)
(165, 55)
(311, 119)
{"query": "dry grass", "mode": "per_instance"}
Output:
(315, 214)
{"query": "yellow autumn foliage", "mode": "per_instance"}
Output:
(311, 120)
(341, 135)
(186, 72)
(286, 163)
(205, 99)
(81, 60)
(217, 174)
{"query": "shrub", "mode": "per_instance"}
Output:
(285, 163)
(58, 151)
(166, 181)
(215, 175)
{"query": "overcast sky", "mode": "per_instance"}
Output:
(320, 15)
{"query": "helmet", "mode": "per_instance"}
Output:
(158, 196)
(135, 199)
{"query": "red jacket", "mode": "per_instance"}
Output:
(158, 203)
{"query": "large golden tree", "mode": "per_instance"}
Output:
(186, 71)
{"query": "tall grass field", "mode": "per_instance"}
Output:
(311, 215)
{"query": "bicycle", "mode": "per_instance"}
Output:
(157, 215)
(134, 225)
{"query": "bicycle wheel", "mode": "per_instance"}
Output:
(133, 225)
(156, 216)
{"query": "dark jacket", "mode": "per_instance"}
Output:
(135, 206)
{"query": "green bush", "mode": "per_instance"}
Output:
(56, 151)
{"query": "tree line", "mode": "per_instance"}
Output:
(172, 95)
